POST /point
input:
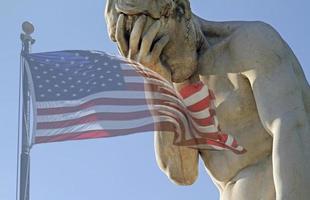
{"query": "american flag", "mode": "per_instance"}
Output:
(90, 94)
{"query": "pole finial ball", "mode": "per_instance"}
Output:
(28, 28)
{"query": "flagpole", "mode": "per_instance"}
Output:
(24, 171)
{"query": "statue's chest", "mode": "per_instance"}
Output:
(238, 116)
(234, 98)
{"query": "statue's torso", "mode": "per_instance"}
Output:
(236, 61)
(237, 113)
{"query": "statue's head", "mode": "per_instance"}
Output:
(180, 54)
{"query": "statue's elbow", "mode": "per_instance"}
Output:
(178, 174)
(183, 179)
(180, 164)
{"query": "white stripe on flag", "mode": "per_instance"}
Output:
(229, 140)
(91, 110)
(196, 97)
(107, 94)
(201, 114)
(103, 125)
(133, 79)
(239, 148)
(206, 129)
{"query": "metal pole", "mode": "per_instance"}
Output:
(24, 178)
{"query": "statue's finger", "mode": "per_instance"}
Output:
(148, 38)
(135, 36)
(158, 48)
(111, 16)
(120, 35)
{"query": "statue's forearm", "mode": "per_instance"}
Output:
(180, 164)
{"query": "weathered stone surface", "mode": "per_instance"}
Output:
(263, 98)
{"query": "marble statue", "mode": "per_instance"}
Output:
(262, 95)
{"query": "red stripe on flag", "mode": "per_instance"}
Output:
(204, 103)
(191, 89)
(206, 121)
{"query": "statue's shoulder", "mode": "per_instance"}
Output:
(258, 43)
(255, 26)
(242, 35)
(243, 45)
(257, 36)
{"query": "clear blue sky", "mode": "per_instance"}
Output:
(117, 168)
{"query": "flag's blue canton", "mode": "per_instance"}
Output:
(70, 75)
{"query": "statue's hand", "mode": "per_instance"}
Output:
(143, 46)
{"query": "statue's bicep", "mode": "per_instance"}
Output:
(278, 96)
